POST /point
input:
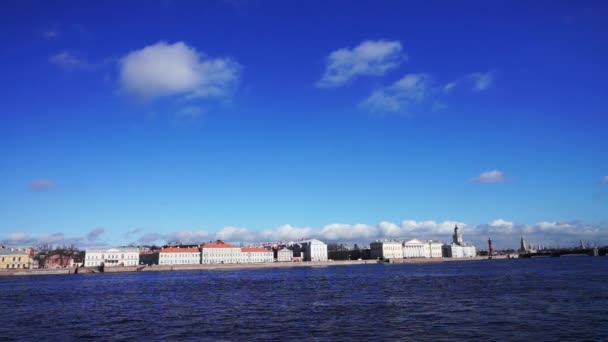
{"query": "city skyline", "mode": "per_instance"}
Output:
(255, 121)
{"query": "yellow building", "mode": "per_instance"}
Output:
(15, 258)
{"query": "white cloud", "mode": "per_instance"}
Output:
(604, 180)
(501, 223)
(370, 58)
(402, 96)
(68, 61)
(165, 69)
(492, 176)
(505, 234)
(287, 232)
(238, 234)
(477, 81)
(348, 232)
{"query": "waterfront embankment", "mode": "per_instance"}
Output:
(211, 267)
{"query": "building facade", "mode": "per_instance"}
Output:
(313, 250)
(15, 258)
(58, 261)
(386, 250)
(118, 256)
(220, 252)
(284, 255)
(179, 256)
(256, 255)
(458, 248)
(415, 249)
(434, 249)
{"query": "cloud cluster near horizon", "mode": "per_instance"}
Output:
(504, 233)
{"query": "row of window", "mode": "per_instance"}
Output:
(13, 258)
(111, 256)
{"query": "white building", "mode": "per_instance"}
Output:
(179, 256)
(119, 256)
(415, 249)
(434, 249)
(220, 252)
(385, 250)
(314, 250)
(458, 248)
(256, 255)
(284, 254)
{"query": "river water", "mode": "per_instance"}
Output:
(546, 299)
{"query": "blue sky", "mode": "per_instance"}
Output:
(254, 120)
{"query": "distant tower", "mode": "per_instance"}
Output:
(582, 246)
(490, 250)
(457, 237)
(522, 245)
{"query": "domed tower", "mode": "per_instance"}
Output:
(457, 237)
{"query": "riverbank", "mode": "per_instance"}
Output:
(212, 267)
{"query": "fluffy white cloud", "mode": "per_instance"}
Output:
(238, 234)
(287, 232)
(402, 96)
(348, 232)
(68, 61)
(370, 58)
(477, 81)
(165, 69)
(505, 234)
(492, 176)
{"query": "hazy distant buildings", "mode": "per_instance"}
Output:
(525, 248)
(458, 248)
(119, 256)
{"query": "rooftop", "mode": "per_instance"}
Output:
(179, 250)
(254, 249)
(219, 244)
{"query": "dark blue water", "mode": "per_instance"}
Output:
(536, 299)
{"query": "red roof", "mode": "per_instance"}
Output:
(218, 244)
(179, 250)
(253, 249)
